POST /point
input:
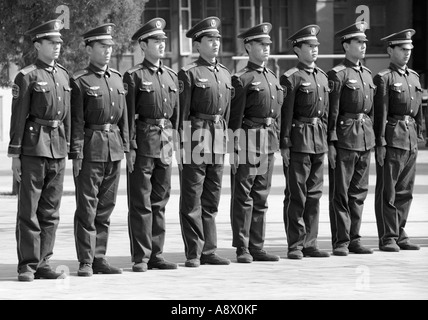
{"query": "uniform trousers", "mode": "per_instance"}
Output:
(348, 188)
(96, 192)
(149, 187)
(39, 199)
(304, 186)
(250, 189)
(394, 194)
(200, 190)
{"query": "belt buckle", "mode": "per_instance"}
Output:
(161, 123)
(54, 123)
(216, 118)
(107, 127)
(407, 119)
(361, 116)
(268, 121)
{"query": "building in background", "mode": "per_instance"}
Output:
(287, 16)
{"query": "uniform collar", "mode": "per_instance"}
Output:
(256, 67)
(152, 67)
(349, 64)
(98, 71)
(46, 66)
(211, 66)
(402, 71)
(308, 69)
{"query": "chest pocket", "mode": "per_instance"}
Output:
(353, 91)
(280, 94)
(256, 93)
(305, 95)
(398, 94)
(202, 92)
(94, 98)
(147, 95)
(173, 94)
(42, 95)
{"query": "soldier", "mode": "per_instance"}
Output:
(350, 138)
(39, 142)
(303, 144)
(99, 131)
(152, 102)
(205, 94)
(398, 126)
(255, 121)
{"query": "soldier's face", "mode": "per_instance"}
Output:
(48, 50)
(307, 53)
(356, 49)
(154, 48)
(209, 47)
(258, 51)
(99, 53)
(400, 55)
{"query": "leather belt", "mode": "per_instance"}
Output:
(211, 117)
(47, 123)
(406, 118)
(265, 121)
(162, 122)
(101, 127)
(356, 116)
(313, 120)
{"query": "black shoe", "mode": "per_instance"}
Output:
(408, 246)
(47, 273)
(103, 267)
(214, 259)
(315, 253)
(262, 255)
(161, 263)
(341, 251)
(243, 255)
(139, 267)
(26, 276)
(390, 247)
(85, 270)
(192, 263)
(358, 248)
(295, 254)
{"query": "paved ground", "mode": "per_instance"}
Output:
(382, 276)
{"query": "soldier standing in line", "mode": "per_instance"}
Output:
(153, 110)
(99, 138)
(39, 142)
(205, 94)
(255, 121)
(398, 127)
(304, 144)
(350, 138)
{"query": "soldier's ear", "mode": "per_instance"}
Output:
(37, 45)
(389, 51)
(89, 50)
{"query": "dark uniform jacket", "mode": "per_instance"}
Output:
(305, 110)
(258, 96)
(205, 89)
(98, 98)
(399, 94)
(352, 93)
(40, 92)
(152, 93)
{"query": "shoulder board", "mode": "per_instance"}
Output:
(80, 73)
(367, 69)
(28, 69)
(291, 72)
(115, 71)
(413, 71)
(339, 68)
(322, 71)
(171, 70)
(240, 72)
(135, 68)
(189, 66)
(384, 72)
(224, 67)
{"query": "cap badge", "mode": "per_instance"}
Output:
(57, 25)
(265, 29)
(109, 28)
(408, 35)
(313, 31)
(158, 24)
(213, 23)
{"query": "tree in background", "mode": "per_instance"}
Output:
(18, 16)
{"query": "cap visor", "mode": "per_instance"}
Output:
(54, 38)
(262, 40)
(407, 46)
(312, 42)
(106, 42)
